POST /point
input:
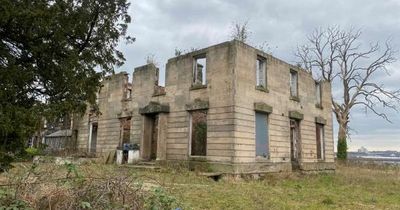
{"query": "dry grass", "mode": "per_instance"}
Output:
(351, 187)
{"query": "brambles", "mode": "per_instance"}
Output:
(48, 186)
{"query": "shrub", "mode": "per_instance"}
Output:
(342, 149)
(31, 151)
(159, 200)
(5, 161)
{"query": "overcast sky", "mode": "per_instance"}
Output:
(161, 26)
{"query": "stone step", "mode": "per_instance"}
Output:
(146, 163)
(146, 167)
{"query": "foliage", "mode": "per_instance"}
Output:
(179, 52)
(159, 200)
(73, 187)
(5, 161)
(52, 57)
(354, 186)
(8, 202)
(31, 151)
(342, 149)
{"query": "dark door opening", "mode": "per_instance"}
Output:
(199, 133)
(154, 138)
(93, 139)
(150, 138)
(295, 149)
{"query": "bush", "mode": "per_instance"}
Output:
(7, 201)
(159, 200)
(342, 149)
(31, 151)
(72, 187)
(5, 161)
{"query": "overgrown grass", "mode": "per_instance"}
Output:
(351, 187)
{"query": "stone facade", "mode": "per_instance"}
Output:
(161, 121)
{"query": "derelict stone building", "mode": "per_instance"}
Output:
(227, 108)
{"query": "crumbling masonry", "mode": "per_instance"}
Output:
(226, 108)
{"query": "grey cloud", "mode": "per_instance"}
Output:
(162, 26)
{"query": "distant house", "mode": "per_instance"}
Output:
(55, 135)
(229, 108)
(363, 150)
(59, 140)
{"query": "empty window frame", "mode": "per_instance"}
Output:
(198, 133)
(262, 140)
(295, 140)
(320, 141)
(128, 93)
(199, 70)
(97, 97)
(318, 94)
(125, 130)
(261, 72)
(293, 83)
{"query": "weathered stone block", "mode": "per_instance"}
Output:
(262, 107)
(320, 120)
(197, 104)
(296, 115)
(154, 107)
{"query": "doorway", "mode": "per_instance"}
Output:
(92, 138)
(150, 137)
(295, 144)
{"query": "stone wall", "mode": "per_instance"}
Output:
(278, 97)
(181, 94)
(112, 105)
(230, 97)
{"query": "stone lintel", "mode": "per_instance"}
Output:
(296, 115)
(154, 107)
(197, 104)
(262, 107)
(320, 120)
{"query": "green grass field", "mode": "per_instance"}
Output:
(350, 187)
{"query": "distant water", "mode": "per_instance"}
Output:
(379, 159)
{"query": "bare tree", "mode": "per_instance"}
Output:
(240, 32)
(178, 52)
(151, 59)
(337, 56)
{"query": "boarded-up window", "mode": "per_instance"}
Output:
(199, 133)
(262, 148)
(320, 141)
(199, 70)
(318, 94)
(293, 83)
(261, 72)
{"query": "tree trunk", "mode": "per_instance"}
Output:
(342, 141)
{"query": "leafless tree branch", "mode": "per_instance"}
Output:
(337, 55)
